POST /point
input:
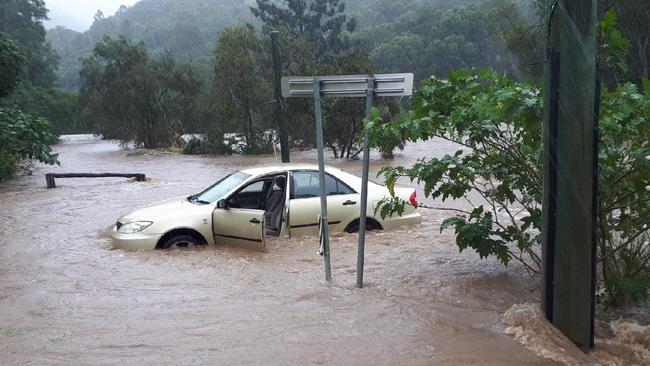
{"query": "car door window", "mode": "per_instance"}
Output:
(341, 188)
(250, 197)
(306, 185)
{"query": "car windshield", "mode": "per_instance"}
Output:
(218, 190)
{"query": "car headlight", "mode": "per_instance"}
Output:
(134, 227)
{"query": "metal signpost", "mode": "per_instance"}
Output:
(355, 86)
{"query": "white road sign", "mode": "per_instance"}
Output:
(386, 85)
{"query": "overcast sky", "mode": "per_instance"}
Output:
(78, 14)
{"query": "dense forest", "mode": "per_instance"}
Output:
(203, 66)
(426, 37)
(188, 29)
(386, 29)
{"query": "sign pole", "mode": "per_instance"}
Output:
(345, 86)
(321, 177)
(364, 186)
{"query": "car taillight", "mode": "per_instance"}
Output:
(413, 199)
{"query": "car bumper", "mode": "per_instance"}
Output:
(413, 218)
(135, 241)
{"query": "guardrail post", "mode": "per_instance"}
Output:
(49, 180)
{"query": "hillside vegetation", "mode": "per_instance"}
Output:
(187, 29)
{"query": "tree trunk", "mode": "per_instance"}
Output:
(249, 121)
(334, 150)
(643, 47)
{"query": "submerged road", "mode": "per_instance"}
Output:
(68, 298)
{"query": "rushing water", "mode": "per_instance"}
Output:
(67, 297)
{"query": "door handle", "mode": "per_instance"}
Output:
(348, 202)
(254, 221)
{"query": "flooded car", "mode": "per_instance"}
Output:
(249, 205)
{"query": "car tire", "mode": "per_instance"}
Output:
(353, 227)
(180, 241)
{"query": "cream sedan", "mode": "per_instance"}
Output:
(251, 204)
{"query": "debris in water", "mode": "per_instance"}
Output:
(631, 342)
(635, 336)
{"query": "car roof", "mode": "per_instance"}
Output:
(277, 167)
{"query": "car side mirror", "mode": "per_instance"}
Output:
(222, 204)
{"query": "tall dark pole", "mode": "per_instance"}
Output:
(324, 228)
(364, 187)
(570, 163)
(280, 116)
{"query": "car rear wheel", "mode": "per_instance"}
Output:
(180, 241)
(353, 227)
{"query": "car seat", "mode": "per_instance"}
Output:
(275, 198)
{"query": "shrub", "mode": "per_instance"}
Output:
(629, 278)
(198, 146)
(60, 108)
(23, 136)
(11, 64)
(134, 97)
(497, 124)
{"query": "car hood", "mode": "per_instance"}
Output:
(170, 208)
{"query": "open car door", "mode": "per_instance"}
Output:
(238, 226)
(239, 220)
(275, 214)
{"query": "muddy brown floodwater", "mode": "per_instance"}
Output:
(68, 298)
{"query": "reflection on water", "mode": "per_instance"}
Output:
(67, 297)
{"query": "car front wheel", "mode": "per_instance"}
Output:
(180, 241)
